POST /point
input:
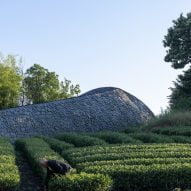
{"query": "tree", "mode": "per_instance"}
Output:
(178, 42)
(68, 90)
(181, 93)
(43, 86)
(10, 82)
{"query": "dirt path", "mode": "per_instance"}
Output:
(29, 180)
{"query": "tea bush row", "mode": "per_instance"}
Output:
(81, 182)
(115, 137)
(116, 156)
(156, 136)
(9, 173)
(37, 149)
(161, 177)
(57, 145)
(162, 137)
(137, 167)
(80, 140)
(126, 148)
(133, 161)
(177, 130)
(151, 138)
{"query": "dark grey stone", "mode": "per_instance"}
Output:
(100, 109)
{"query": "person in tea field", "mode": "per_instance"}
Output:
(54, 167)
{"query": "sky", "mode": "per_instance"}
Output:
(96, 43)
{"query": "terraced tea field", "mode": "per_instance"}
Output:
(101, 162)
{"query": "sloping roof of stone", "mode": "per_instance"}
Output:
(105, 108)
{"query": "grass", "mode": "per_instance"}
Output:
(170, 119)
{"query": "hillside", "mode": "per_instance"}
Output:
(153, 157)
(114, 160)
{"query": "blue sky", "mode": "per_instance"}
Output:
(96, 43)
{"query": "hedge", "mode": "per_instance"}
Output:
(181, 139)
(36, 149)
(133, 161)
(116, 156)
(115, 137)
(156, 167)
(91, 154)
(135, 129)
(152, 138)
(80, 140)
(57, 145)
(175, 130)
(81, 182)
(9, 173)
(158, 177)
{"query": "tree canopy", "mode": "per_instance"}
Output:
(43, 86)
(36, 85)
(180, 99)
(178, 42)
(40, 84)
(10, 82)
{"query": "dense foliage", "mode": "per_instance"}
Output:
(35, 150)
(151, 138)
(9, 174)
(80, 140)
(137, 167)
(81, 182)
(169, 119)
(115, 137)
(178, 42)
(57, 145)
(116, 165)
(180, 98)
(119, 166)
(36, 85)
(10, 82)
(176, 130)
(42, 85)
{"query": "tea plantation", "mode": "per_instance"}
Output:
(158, 160)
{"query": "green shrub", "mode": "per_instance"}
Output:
(180, 130)
(144, 167)
(9, 173)
(81, 182)
(127, 152)
(132, 161)
(125, 149)
(35, 150)
(57, 145)
(180, 118)
(183, 103)
(136, 129)
(115, 137)
(152, 138)
(158, 177)
(80, 140)
(123, 156)
(181, 139)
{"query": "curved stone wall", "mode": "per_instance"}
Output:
(100, 109)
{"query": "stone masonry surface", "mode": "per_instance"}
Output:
(100, 109)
